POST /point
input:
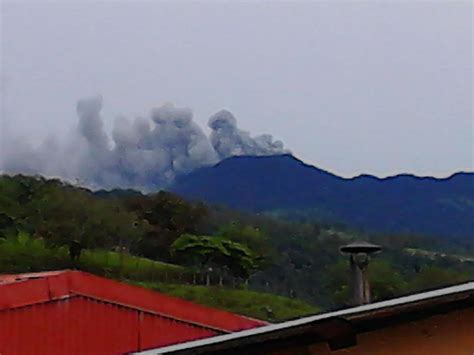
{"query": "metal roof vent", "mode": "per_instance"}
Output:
(359, 256)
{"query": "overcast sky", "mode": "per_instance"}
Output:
(351, 87)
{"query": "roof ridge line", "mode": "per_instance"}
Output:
(164, 315)
(33, 303)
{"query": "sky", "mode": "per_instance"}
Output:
(352, 87)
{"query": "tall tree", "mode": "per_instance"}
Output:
(217, 251)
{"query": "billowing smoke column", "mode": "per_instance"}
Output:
(142, 154)
(229, 141)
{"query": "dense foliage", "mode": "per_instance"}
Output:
(216, 251)
(126, 234)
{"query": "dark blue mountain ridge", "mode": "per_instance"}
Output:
(284, 184)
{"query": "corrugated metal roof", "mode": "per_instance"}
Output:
(28, 289)
(75, 313)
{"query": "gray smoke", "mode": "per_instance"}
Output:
(143, 154)
(229, 141)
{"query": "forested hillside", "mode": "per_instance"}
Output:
(284, 186)
(184, 248)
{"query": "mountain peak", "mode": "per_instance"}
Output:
(283, 183)
(270, 162)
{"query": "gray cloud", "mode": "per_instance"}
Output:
(228, 140)
(143, 154)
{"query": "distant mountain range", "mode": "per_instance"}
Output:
(285, 186)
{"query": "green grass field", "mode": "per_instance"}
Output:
(127, 266)
(24, 254)
(258, 305)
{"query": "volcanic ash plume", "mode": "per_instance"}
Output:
(143, 154)
(229, 141)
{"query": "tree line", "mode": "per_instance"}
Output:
(268, 254)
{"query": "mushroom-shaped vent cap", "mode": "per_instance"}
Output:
(360, 247)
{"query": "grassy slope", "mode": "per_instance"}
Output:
(127, 266)
(25, 254)
(245, 302)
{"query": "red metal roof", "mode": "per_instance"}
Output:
(74, 307)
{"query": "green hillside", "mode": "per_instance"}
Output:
(253, 304)
(162, 238)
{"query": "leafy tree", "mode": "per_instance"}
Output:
(208, 250)
(168, 217)
(253, 237)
